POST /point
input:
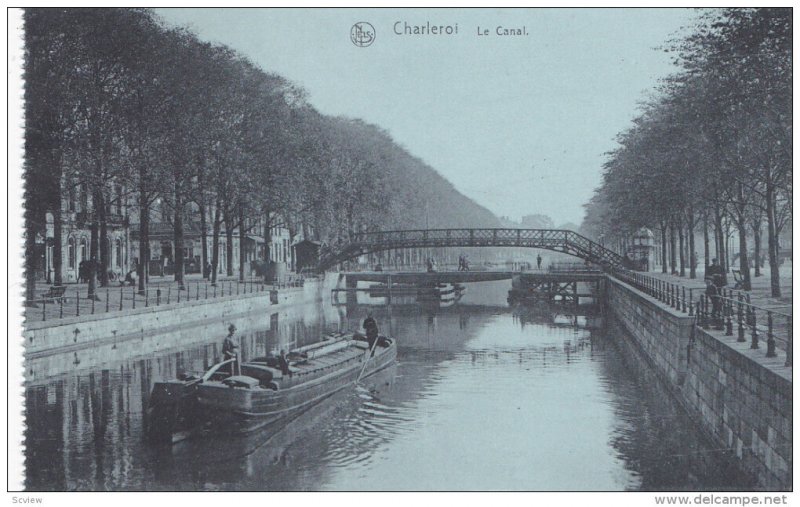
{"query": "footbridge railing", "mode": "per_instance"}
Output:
(557, 240)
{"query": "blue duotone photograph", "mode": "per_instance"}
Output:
(407, 249)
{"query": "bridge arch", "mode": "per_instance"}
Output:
(558, 240)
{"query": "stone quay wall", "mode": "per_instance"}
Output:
(740, 404)
(746, 406)
(77, 333)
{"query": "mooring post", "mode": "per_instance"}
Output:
(691, 303)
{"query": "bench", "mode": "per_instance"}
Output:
(54, 294)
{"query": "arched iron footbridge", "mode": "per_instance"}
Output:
(557, 240)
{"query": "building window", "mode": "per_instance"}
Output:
(83, 250)
(71, 253)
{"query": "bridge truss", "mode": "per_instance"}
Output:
(557, 240)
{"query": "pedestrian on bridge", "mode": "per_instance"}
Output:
(539, 261)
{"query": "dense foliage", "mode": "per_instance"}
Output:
(712, 149)
(115, 98)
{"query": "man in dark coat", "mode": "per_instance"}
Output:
(715, 273)
(371, 329)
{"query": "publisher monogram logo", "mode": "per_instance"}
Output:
(362, 34)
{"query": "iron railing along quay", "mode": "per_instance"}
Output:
(77, 302)
(731, 308)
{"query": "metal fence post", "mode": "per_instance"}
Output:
(729, 317)
(770, 336)
(740, 317)
(789, 342)
(222, 291)
(78, 303)
(146, 298)
(44, 309)
(683, 299)
(121, 296)
(691, 303)
(179, 295)
(701, 311)
(61, 308)
(106, 300)
(94, 296)
(754, 332)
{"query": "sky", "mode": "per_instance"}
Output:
(520, 124)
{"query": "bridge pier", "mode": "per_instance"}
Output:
(554, 286)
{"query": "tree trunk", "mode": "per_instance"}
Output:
(744, 266)
(692, 252)
(102, 218)
(682, 248)
(757, 247)
(228, 244)
(241, 243)
(706, 248)
(93, 241)
(30, 253)
(144, 238)
(203, 237)
(57, 246)
(772, 241)
(178, 237)
(727, 235)
(720, 239)
(672, 251)
(215, 244)
(267, 245)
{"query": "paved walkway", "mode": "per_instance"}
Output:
(160, 290)
(760, 293)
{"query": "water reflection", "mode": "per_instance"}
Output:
(483, 397)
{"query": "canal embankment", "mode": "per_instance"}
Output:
(739, 397)
(168, 316)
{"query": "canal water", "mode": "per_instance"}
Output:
(483, 397)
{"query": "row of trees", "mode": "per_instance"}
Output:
(115, 99)
(713, 148)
